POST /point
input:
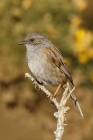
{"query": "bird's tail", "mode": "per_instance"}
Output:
(73, 97)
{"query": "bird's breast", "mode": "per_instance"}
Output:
(35, 64)
(44, 71)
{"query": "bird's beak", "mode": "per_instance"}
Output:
(22, 43)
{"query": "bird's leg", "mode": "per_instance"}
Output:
(57, 90)
(52, 96)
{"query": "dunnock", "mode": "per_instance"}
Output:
(47, 64)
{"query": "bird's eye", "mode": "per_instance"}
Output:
(32, 39)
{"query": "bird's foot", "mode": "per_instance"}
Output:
(51, 98)
(37, 83)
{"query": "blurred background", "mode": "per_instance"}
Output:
(26, 113)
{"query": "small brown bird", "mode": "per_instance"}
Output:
(47, 64)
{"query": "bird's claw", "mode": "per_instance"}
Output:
(51, 98)
(36, 85)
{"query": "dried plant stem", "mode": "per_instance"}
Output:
(61, 107)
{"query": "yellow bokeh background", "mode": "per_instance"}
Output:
(25, 112)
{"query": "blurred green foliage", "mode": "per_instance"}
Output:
(19, 18)
(56, 19)
(69, 25)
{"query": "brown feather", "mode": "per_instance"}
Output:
(53, 53)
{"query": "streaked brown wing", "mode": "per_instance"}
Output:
(56, 58)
